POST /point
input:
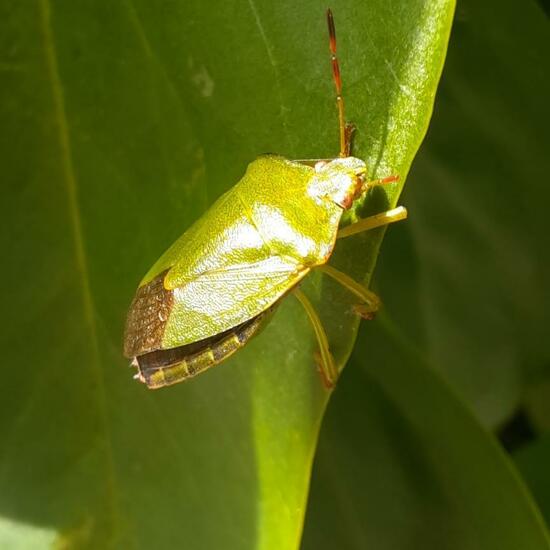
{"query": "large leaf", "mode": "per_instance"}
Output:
(403, 464)
(120, 123)
(467, 276)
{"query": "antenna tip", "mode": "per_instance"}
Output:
(331, 31)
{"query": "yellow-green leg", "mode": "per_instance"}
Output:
(378, 220)
(369, 301)
(325, 361)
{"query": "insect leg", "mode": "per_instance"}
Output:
(381, 181)
(370, 303)
(327, 368)
(378, 220)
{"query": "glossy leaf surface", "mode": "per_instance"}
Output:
(121, 123)
(402, 463)
(467, 276)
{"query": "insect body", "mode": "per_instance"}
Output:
(216, 286)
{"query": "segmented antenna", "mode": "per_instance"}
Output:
(344, 138)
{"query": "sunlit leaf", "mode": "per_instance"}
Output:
(121, 123)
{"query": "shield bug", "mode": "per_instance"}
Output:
(218, 284)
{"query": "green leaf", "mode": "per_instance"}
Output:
(532, 461)
(403, 464)
(121, 123)
(537, 402)
(467, 275)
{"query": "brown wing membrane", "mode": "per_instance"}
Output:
(165, 367)
(147, 317)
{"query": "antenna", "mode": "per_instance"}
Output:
(345, 131)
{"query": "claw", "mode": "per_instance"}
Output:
(329, 385)
(364, 311)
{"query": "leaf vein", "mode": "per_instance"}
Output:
(71, 188)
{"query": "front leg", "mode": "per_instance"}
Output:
(378, 220)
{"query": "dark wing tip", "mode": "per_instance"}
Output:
(147, 317)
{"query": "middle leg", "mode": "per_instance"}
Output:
(369, 302)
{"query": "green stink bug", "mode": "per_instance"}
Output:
(217, 285)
